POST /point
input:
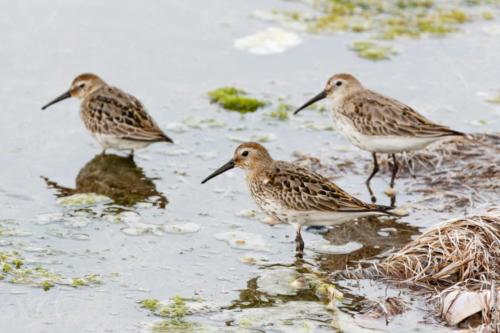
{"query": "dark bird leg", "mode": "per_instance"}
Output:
(299, 244)
(395, 168)
(103, 152)
(375, 170)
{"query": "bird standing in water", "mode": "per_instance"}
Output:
(295, 195)
(115, 119)
(377, 123)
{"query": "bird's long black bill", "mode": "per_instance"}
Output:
(228, 166)
(67, 94)
(313, 100)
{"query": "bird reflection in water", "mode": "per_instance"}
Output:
(116, 177)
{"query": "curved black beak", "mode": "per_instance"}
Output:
(313, 100)
(228, 166)
(67, 94)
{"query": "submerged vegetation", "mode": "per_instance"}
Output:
(281, 112)
(174, 310)
(15, 270)
(372, 51)
(233, 99)
(388, 20)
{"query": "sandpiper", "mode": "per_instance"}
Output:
(295, 195)
(377, 123)
(116, 119)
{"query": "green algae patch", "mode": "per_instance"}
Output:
(176, 309)
(150, 304)
(174, 325)
(16, 270)
(46, 285)
(234, 99)
(392, 19)
(87, 280)
(281, 112)
(372, 51)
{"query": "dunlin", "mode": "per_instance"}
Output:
(377, 123)
(295, 195)
(116, 119)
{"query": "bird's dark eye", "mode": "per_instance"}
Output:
(244, 153)
(82, 85)
(338, 83)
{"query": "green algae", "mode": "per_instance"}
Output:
(233, 99)
(281, 112)
(87, 280)
(150, 304)
(391, 20)
(46, 285)
(174, 310)
(372, 51)
(16, 271)
(174, 325)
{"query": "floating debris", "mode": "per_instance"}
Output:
(83, 199)
(296, 317)
(262, 138)
(175, 311)
(201, 123)
(494, 99)
(186, 228)
(278, 281)
(281, 112)
(251, 259)
(270, 41)
(251, 214)
(234, 99)
(16, 270)
(373, 51)
(243, 240)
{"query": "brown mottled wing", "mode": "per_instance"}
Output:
(303, 190)
(112, 111)
(374, 114)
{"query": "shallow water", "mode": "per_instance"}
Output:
(171, 236)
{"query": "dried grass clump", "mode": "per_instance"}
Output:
(460, 172)
(452, 153)
(457, 261)
(463, 251)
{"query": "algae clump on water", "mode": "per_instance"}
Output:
(372, 51)
(234, 99)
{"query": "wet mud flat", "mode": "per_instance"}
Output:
(109, 243)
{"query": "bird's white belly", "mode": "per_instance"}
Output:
(110, 141)
(388, 144)
(328, 218)
(318, 218)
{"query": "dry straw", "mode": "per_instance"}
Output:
(458, 261)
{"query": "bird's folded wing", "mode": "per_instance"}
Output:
(303, 190)
(374, 114)
(122, 115)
